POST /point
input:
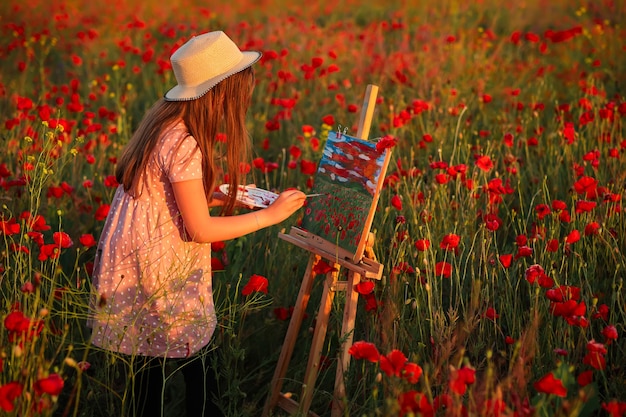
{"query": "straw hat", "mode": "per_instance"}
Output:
(205, 60)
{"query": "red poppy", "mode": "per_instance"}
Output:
(217, 264)
(593, 346)
(328, 120)
(315, 144)
(439, 165)
(386, 142)
(548, 384)
(62, 239)
(393, 363)
(595, 355)
(371, 303)
(484, 163)
(322, 267)
(443, 269)
(415, 403)
(83, 365)
(9, 227)
(505, 260)
(295, 152)
(364, 350)
(443, 401)
(308, 167)
(523, 252)
(4, 170)
(491, 314)
(102, 212)
(586, 186)
(9, 392)
(283, 313)
(27, 288)
(563, 293)
(602, 312)
(573, 237)
(563, 35)
(36, 223)
(36, 237)
(52, 384)
(272, 125)
(492, 222)
(411, 372)
(244, 168)
(218, 246)
(611, 197)
(595, 359)
(16, 322)
(396, 202)
(21, 328)
(558, 205)
(49, 251)
(542, 210)
(269, 167)
(441, 178)
(508, 140)
(55, 191)
(460, 379)
(545, 281)
(532, 37)
(568, 308)
(257, 283)
(364, 287)
(585, 378)
(615, 408)
(538, 231)
(552, 245)
(402, 268)
(569, 133)
(110, 181)
(583, 206)
(450, 241)
(610, 334)
(422, 244)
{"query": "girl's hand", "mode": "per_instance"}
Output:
(287, 203)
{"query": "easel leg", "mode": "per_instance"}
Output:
(291, 336)
(319, 335)
(347, 336)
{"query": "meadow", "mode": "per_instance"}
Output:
(501, 225)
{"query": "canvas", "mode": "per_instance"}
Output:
(349, 178)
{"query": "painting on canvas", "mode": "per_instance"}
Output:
(349, 178)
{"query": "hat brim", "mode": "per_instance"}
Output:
(186, 93)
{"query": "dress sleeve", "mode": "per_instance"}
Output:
(181, 159)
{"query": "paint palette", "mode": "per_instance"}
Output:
(252, 196)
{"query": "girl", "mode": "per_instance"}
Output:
(153, 266)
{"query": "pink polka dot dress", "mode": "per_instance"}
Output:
(154, 287)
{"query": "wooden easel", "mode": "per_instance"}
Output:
(366, 267)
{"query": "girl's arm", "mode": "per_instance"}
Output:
(217, 200)
(204, 228)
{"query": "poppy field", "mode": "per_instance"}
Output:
(500, 226)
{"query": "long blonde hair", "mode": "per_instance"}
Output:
(222, 110)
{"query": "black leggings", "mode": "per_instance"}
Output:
(200, 385)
